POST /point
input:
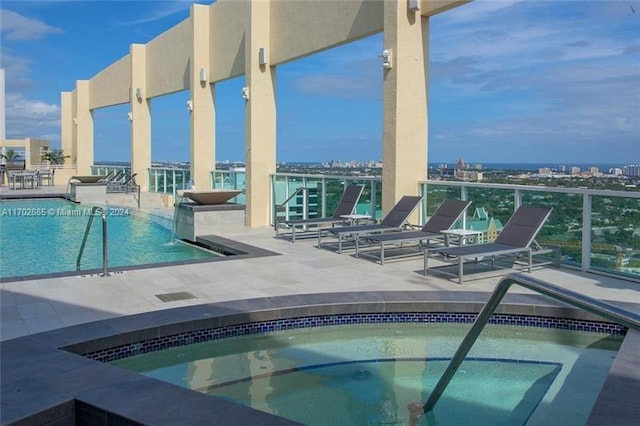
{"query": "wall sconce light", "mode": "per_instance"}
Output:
(130, 116)
(414, 5)
(75, 120)
(245, 93)
(203, 76)
(190, 105)
(387, 60)
(262, 56)
(139, 94)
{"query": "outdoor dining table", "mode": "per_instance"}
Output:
(23, 178)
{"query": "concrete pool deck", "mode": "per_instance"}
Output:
(299, 275)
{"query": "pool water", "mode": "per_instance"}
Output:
(367, 374)
(44, 236)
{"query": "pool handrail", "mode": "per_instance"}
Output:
(597, 307)
(103, 214)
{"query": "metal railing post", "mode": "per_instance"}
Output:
(105, 260)
(464, 196)
(593, 306)
(586, 232)
(374, 199)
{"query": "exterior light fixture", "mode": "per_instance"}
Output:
(130, 116)
(190, 105)
(139, 94)
(414, 5)
(75, 120)
(387, 59)
(262, 56)
(245, 93)
(203, 76)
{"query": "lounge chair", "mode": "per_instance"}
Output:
(127, 185)
(393, 221)
(515, 239)
(445, 216)
(346, 206)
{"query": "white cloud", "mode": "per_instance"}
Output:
(16, 70)
(31, 118)
(17, 27)
(160, 10)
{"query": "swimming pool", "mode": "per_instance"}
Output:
(367, 373)
(44, 237)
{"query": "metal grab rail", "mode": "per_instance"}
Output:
(593, 306)
(103, 214)
(305, 204)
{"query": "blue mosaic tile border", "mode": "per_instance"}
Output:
(198, 336)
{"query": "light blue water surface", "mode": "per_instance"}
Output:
(44, 236)
(367, 374)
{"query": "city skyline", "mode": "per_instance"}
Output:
(510, 81)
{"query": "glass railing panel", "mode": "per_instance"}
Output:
(489, 211)
(563, 229)
(370, 202)
(295, 207)
(239, 180)
(151, 173)
(220, 180)
(179, 181)
(279, 189)
(434, 195)
(615, 235)
(314, 196)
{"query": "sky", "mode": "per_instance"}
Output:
(510, 81)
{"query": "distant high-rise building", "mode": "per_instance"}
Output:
(575, 171)
(545, 171)
(632, 170)
(469, 175)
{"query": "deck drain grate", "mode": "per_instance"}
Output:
(172, 297)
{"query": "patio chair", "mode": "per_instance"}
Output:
(515, 238)
(346, 206)
(445, 216)
(124, 186)
(109, 177)
(393, 221)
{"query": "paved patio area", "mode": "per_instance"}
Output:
(300, 268)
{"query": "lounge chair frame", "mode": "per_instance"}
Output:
(445, 216)
(346, 206)
(393, 221)
(516, 239)
(129, 184)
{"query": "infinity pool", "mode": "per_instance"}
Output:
(367, 374)
(44, 237)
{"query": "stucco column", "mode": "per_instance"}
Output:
(202, 117)
(140, 117)
(66, 125)
(84, 129)
(404, 153)
(260, 115)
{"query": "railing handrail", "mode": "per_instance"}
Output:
(323, 176)
(535, 188)
(603, 309)
(103, 214)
